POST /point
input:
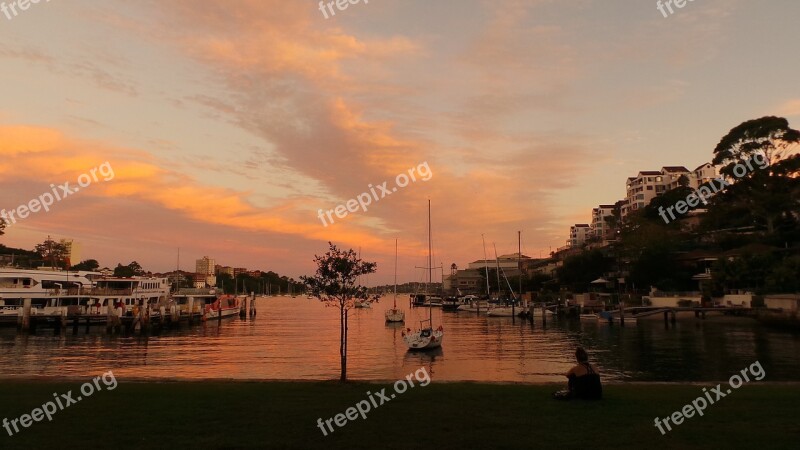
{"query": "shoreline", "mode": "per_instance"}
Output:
(139, 380)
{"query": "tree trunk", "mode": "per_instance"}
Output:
(343, 343)
(344, 356)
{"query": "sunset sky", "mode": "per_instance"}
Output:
(230, 124)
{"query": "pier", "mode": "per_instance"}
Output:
(152, 317)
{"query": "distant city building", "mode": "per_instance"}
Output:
(239, 270)
(73, 251)
(224, 270)
(205, 268)
(201, 280)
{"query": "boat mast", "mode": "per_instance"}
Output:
(430, 263)
(497, 261)
(395, 276)
(519, 260)
(486, 266)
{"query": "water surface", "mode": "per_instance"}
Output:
(297, 338)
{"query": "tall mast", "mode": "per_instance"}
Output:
(486, 266)
(430, 263)
(430, 257)
(497, 261)
(519, 260)
(395, 276)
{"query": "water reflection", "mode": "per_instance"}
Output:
(298, 339)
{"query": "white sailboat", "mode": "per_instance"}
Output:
(426, 337)
(395, 315)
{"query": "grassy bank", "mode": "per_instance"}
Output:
(459, 415)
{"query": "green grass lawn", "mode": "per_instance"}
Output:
(439, 416)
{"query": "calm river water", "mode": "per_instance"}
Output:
(297, 338)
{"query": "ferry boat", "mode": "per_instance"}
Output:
(191, 302)
(53, 293)
(129, 295)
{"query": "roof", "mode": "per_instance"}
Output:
(580, 225)
(674, 169)
(650, 172)
(701, 166)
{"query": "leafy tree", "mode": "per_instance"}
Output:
(87, 265)
(768, 136)
(578, 271)
(785, 276)
(771, 193)
(335, 285)
(53, 252)
(225, 281)
(658, 208)
(131, 270)
(2, 227)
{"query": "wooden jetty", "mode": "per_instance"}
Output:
(138, 319)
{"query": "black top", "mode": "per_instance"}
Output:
(586, 386)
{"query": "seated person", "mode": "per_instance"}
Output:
(584, 381)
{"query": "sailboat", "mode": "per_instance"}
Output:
(511, 311)
(426, 337)
(394, 314)
(473, 303)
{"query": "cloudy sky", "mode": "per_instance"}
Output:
(230, 124)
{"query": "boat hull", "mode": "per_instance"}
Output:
(395, 315)
(424, 339)
(506, 311)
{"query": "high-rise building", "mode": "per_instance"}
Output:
(205, 269)
(205, 266)
(578, 234)
(73, 251)
(600, 227)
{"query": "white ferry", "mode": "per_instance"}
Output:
(52, 293)
(129, 295)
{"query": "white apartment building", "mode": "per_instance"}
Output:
(599, 227)
(641, 189)
(647, 185)
(578, 234)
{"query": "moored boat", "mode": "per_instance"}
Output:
(425, 338)
(225, 306)
(395, 315)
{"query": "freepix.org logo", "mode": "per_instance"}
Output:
(375, 192)
(56, 194)
(703, 193)
(12, 9)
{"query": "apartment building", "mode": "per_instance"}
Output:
(600, 227)
(204, 268)
(647, 185)
(578, 234)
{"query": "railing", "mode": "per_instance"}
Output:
(106, 291)
(676, 294)
(196, 291)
